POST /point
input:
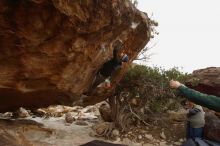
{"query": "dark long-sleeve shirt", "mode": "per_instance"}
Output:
(110, 66)
(209, 101)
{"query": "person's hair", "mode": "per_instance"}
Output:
(118, 45)
(184, 102)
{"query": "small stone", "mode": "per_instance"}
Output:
(115, 133)
(139, 136)
(92, 134)
(41, 112)
(105, 112)
(8, 115)
(142, 110)
(163, 143)
(134, 101)
(69, 118)
(34, 116)
(118, 139)
(148, 136)
(157, 140)
(126, 141)
(181, 140)
(23, 113)
(81, 123)
(101, 128)
(177, 143)
(162, 135)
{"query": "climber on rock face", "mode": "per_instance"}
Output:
(105, 72)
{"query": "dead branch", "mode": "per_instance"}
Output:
(138, 116)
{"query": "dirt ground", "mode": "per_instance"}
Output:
(165, 129)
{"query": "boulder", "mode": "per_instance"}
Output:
(162, 135)
(51, 50)
(212, 127)
(206, 80)
(69, 118)
(103, 128)
(115, 133)
(23, 113)
(105, 112)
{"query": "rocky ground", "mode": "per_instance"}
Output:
(61, 125)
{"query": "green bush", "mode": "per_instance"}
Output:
(151, 84)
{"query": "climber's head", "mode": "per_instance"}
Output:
(190, 104)
(187, 104)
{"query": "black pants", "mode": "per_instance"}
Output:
(98, 80)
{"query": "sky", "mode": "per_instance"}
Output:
(189, 33)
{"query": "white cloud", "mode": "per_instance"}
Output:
(189, 33)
